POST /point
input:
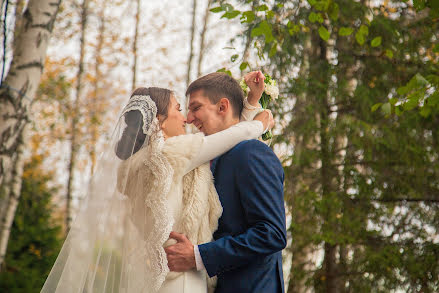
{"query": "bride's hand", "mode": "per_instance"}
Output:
(256, 84)
(266, 118)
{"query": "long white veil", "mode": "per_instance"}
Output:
(115, 242)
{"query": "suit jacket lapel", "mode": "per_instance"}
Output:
(213, 165)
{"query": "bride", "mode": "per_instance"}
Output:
(153, 179)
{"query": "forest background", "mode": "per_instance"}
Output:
(356, 122)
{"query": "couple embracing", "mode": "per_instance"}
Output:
(173, 212)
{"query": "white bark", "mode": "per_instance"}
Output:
(136, 36)
(191, 45)
(16, 94)
(203, 36)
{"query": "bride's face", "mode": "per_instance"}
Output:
(175, 123)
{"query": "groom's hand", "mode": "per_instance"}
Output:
(181, 256)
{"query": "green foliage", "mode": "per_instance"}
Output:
(376, 42)
(362, 174)
(35, 237)
(324, 34)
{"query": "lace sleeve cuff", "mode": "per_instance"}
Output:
(249, 112)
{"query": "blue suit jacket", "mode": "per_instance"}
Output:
(246, 254)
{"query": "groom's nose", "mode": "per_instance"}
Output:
(190, 117)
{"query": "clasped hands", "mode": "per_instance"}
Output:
(181, 255)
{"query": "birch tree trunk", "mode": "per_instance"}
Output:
(16, 95)
(191, 52)
(203, 37)
(74, 145)
(136, 36)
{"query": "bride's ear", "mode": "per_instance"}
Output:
(162, 120)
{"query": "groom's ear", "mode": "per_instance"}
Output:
(223, 106)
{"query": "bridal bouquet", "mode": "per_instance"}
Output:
(271, 93)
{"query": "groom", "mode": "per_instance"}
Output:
(246, 253)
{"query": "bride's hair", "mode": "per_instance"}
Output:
(133, 137)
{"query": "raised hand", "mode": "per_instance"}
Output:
(256, 84)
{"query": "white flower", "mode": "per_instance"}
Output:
(272, 82)
(272, 90)
(244, 86)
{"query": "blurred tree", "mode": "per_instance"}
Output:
(32, 34)
(362, 189)
(135, 39)
(75, 112)
(203, 37)
(191, 43)
(36, 237)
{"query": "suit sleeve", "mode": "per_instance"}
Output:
(259, 180)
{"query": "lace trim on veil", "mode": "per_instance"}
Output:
(155, 197)
(163, 220)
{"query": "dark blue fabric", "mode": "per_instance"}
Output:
(246, 254)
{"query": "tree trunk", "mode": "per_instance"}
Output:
(136, 36)
(74, 145)
(94, 119)
(203, 37)
(329, 261)
(301, 252)
(191, 50)
(16, 95)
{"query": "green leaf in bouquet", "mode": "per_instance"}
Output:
(266, 136)
(234, 57)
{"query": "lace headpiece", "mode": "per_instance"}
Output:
(147, 107)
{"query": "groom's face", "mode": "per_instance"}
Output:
(203, 114)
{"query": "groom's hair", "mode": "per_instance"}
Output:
(219, 85)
